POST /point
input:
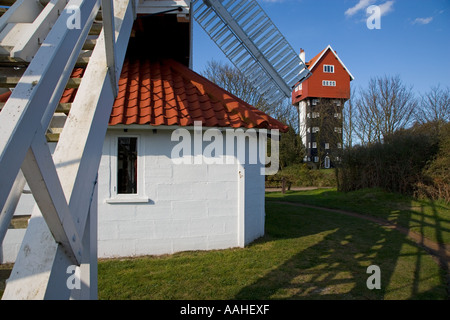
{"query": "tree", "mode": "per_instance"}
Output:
(385, 106)
(235, 82)
(292, 150)
(435, 107)
(348, 114)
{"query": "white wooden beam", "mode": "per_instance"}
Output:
(22, 11)
(8, 210)
(29, 42)
(37, 95)
(85, 128)
(43, 275)
(110, 40)
(89, 266)
(43, 180)
(29, 278)
(154, 7)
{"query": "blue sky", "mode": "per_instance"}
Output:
(413, 42)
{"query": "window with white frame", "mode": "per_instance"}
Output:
(127, 169)
(127, 166)
(315, 129)
(338, 130)
(339, 145)
(314, 145)
(315, 102)
(316, 159)
(315, 115)
(338, 115)
(327, 146)
(328, 68)
(328, 83)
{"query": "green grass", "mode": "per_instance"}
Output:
(306, 254)
(426, 217)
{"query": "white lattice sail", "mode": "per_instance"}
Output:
(247, 36)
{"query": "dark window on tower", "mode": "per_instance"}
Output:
(127, 165)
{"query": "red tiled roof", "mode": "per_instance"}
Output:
(311, 62)
(166, 93)
(69, 94)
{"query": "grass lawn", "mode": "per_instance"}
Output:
(430, 218)
(306, 254)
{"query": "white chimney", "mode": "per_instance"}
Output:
(303, 55)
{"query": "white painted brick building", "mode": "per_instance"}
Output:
(181, 207)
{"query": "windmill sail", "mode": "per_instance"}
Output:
(250, 40)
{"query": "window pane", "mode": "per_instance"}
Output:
(127, 166)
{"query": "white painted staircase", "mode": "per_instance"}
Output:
(40, 44)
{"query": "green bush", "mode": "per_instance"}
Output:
(412, 162)
(435, 183)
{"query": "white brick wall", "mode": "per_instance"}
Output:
(191, 207)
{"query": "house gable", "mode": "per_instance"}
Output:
(323, 83)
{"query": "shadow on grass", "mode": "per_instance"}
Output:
(334, 267)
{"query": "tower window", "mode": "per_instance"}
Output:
(328, 68)
(328, 83)
(327, 164)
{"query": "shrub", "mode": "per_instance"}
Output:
(396, 165)
(435, 183)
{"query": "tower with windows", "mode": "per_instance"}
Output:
(320, 100)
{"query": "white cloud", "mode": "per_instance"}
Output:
(361, 5)
(423, 20)
(387, 7)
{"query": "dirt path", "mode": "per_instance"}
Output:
(440, 252)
